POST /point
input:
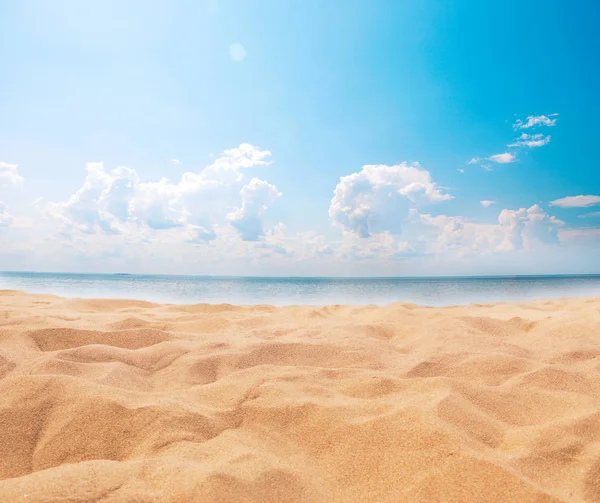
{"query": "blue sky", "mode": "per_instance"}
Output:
(326, 88)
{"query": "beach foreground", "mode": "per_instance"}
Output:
(112, 400)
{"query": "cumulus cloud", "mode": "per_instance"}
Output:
(531, 140)
(112, 202)
(527, 228)
(536, 120)
(380, 210)
(522, 229)
(81, 209)
(443, 235)
(256, 198)
(576, 201)
(100, 203)
(159, 205)
(378, 197)
(9, 173)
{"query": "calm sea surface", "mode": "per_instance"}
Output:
(285, 291)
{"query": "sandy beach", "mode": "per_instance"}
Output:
(113, 400)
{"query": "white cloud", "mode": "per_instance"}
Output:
(460, 170)
(536, 120)
(303, 247)
(451, 235)
(576, 201)
(244, 156)
(81, 210)
(527, 228)
(116, 218)
(429, 240)
(118, 202)
(531, 140)
(586, 236)
(594, 214)
(316, 245)
(525, 140)
(176, 162)
(9, 173)
(5, 217)
(377, 198)
(256, 198)
(523, 229)
(157, 204)
(505, 158)
(379, 247)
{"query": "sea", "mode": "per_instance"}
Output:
(431, 291)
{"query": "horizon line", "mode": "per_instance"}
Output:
(217, 276)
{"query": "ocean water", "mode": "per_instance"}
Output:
(307, 291)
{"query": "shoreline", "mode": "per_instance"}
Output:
(301, 291)
(292, 306)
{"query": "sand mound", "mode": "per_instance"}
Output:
(104, 400)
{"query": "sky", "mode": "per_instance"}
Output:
(299, 137)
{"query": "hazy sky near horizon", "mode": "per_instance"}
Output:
(299, 137)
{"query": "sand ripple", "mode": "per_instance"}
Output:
(106, 400)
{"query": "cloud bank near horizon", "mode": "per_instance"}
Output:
(382, 213)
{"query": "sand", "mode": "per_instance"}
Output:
(112, 400)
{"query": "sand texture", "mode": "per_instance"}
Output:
(112, 400)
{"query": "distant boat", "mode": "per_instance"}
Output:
(122, 274)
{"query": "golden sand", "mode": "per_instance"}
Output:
(111, 400)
